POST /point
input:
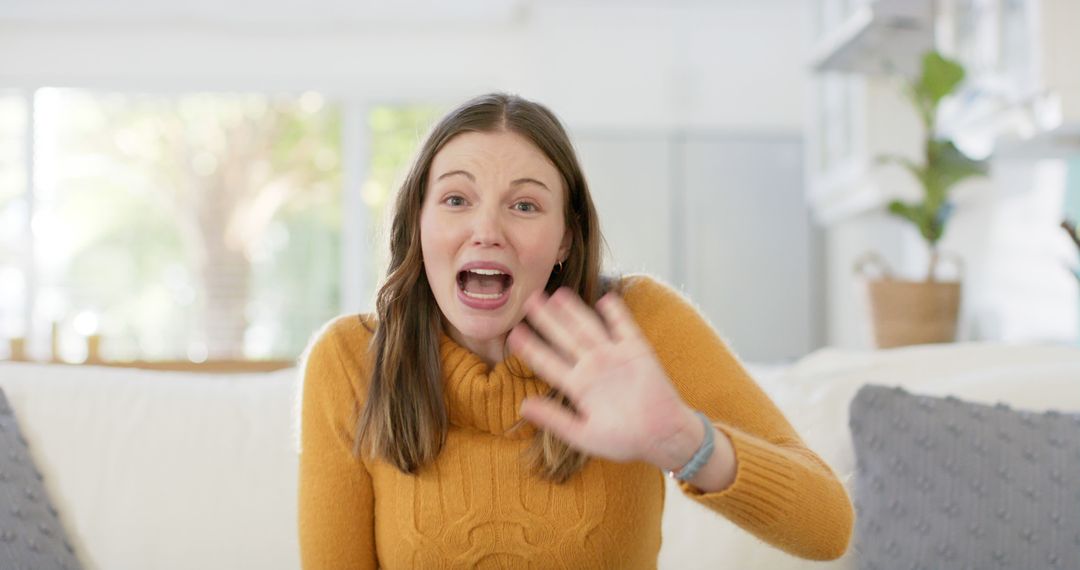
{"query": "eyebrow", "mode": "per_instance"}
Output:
(472, 178)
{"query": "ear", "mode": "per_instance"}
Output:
(564, 247)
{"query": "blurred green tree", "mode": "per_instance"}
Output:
(172, 201)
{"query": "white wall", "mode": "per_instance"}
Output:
(598, 63)
(732, 231)
(625, 77)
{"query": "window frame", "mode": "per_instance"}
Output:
(357, 281)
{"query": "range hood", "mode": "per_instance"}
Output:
(878, 37)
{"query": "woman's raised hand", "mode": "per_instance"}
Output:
(627, 408)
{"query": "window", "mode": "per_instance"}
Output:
(14, 216)
(191, 226)
(396, 133)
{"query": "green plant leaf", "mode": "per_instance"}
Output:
(926, 218)
(944, 164)
(949, 166)
(906, 211)
(923, 106)
(940, 76)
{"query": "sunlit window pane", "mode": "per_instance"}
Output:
(13, 216)
(193, 226)
(396, 133)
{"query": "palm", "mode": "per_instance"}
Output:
(626, 406)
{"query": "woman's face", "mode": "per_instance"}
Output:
(491, 230)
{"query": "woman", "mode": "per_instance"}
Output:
(426, 444)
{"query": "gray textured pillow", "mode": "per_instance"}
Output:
(31, 537)
(943, 484)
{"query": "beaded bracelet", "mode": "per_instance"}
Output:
(700, 457)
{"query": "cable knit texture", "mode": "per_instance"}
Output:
(478, 506)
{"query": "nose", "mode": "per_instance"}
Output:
(487, 228)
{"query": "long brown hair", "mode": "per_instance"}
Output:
(404, 419)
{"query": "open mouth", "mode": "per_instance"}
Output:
(484, 284)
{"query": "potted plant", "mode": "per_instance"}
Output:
(924, 311)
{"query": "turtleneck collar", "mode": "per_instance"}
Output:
(486, 399)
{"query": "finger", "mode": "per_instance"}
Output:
(551, 366)
(584, 326)
(552, 416)
(619, 320)
(540, 312)
(553, 321)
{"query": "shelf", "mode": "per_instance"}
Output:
(880, 37)
(1032, 126)
(1060, 143)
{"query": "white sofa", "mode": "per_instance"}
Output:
(164, 470)
(161, 471)
(815, 393)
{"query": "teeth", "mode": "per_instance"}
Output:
(487, 271)
(486, 296)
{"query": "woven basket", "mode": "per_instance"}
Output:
(910, 312)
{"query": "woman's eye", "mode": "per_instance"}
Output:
(454, 201)
(525, 207)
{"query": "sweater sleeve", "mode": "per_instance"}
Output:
(336, 508)
(783, 492)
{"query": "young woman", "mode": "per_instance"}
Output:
(508, 407)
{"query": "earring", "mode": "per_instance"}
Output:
(560, 267)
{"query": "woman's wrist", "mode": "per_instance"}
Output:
(718, 473)
(677, 450)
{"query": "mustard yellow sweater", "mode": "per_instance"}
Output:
(477, 506)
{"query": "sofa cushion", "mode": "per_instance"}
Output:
(815, 393)
(165, 470)
(31, 535)
(945, 483)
